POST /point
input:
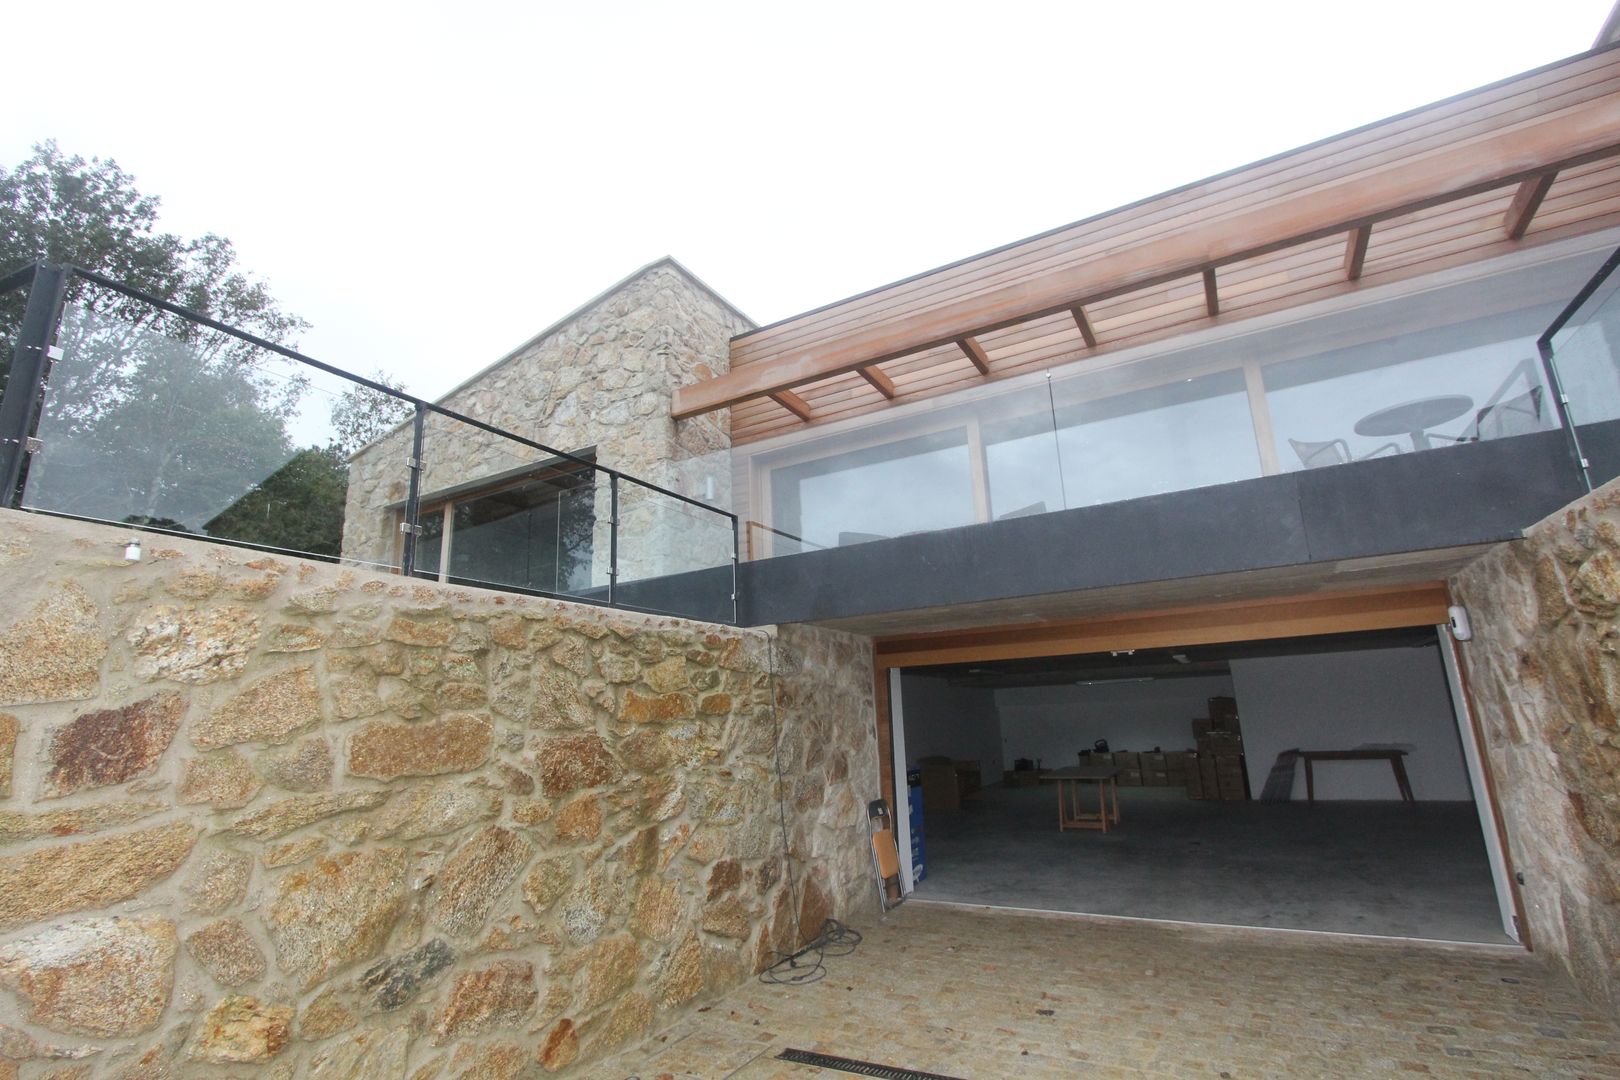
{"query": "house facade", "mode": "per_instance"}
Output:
(1307, 396)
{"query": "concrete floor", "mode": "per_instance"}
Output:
(1386, 868)
(994, 994)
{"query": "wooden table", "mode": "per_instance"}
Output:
(1392, 756)
(1069, 780)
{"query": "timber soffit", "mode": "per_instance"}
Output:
(1529, 159)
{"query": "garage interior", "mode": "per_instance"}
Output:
(1215, 825)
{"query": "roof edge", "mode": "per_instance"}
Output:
(1093, 218)
(512, 354)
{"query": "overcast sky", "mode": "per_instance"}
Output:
(429, 185)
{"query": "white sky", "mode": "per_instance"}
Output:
(429, 185)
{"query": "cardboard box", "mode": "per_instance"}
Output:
(1222, 708)
(1127, 759)
(1156, 777)
(1233, 788)
(1154, 762)
(1194, 783)
(1130, 778)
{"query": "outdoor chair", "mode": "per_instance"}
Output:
(1316, 455)
(1519, 415)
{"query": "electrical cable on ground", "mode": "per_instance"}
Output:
(835, 939)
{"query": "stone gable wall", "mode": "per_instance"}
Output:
(264, 817)
(605, 378)
(1544, 678)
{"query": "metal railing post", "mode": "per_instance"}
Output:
(25, 386)
(413, 497)
(736, 558)
(1555, 386)
(613, 533)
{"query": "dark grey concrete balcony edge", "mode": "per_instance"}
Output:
(1467, 494)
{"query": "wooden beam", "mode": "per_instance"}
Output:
(1238, 620)
(1578, 134)
(792, 402)
(1084, 324)
(975, 352)
(883, 384)
(1212, 295)
(1355, 251)
(1526, 201)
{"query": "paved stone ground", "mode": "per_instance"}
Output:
(986, 994)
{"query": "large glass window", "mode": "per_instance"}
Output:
(535, 532)
(910, 485)
(1185, 434)
(1435, 367)
(1417, 391)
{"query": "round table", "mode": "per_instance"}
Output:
(1414, 418)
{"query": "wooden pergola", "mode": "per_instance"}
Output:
(1529, 160)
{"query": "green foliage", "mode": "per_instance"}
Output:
(154, 419)
(299, 507)
(361, 415)
(65, 209)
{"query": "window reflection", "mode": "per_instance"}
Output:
(536, 534)
(1434, 388)
(911, 485)
(1183, 435)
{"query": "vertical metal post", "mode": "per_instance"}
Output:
(30, 364)
(1555, 386)
(613, 533)
(413, 497)
(736, 556)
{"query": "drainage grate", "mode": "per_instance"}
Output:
(859, 1068)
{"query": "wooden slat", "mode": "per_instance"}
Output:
(1536, 93)
(1355, 251)
(752, 423)
(1212, 294)
(1239, 620)
(1525, 204)
(975, 353)
(880, 382)
(1084, 326)
(792, 402)
(1498, 159)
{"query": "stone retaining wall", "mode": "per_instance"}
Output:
(262, 817)
(1544, 673)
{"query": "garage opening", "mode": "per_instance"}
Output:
(1325, 783)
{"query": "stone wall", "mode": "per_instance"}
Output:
(1544, 673)
(262, 817)
(603, 377)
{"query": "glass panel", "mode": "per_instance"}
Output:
(1185, 434)
(913, 484)
(197, 432)
(1415, 392)
(674, 557)
(1427, 371)
(509, 515)
(1587, 354)
(12, 305)
(1021, 453)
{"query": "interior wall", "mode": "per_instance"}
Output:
(1343, 700)
(1052, 723)
(959, 722)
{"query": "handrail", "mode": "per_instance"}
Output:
(381, 388)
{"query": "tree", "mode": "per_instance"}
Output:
(65, 209)
(155, 419)
(361, 415)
